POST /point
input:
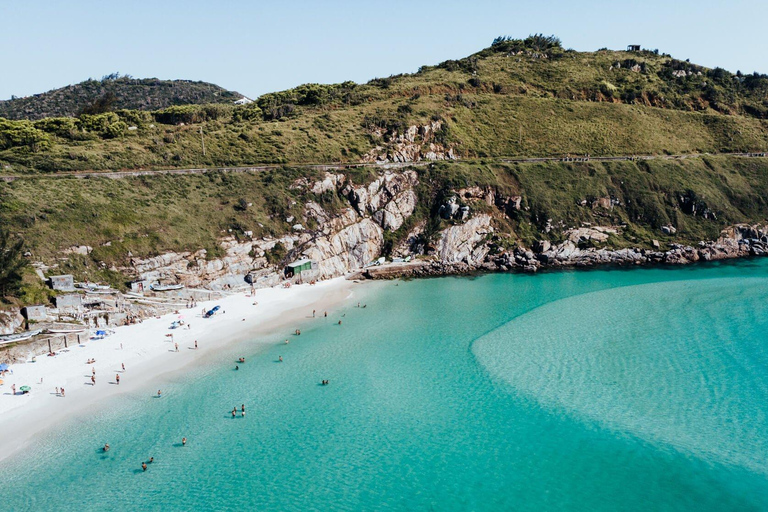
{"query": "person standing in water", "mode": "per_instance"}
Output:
(183, 441)
(158, 393)
(280, 358)
(234, 412)
(144, 466)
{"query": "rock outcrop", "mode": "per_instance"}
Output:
(352, 238)
(463, 243)
(10, 321)
(416, 143)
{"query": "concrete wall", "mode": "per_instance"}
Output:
(70, 300)
(36, 313)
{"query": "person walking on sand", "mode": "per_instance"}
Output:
(93, 370)
(177, 346)
(62, 391)
(195, 344)
(313, 313)
(117, 379)
(93, 380)
(13, 389)
(123, 365)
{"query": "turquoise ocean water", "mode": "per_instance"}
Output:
(643, 389)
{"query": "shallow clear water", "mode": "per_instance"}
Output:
(602, 390)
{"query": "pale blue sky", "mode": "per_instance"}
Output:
(258, 47)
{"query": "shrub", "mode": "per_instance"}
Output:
(59, 126)
(22, 134)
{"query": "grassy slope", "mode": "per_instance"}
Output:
(149, 215)
(495, 104)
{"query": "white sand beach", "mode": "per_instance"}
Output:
(148, 354)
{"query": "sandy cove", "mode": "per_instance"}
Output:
(148, 355)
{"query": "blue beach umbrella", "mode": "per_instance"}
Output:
(3, 367)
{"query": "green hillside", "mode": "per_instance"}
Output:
(516, 98)
(114, 92)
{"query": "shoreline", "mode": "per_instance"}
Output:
(150, 357)
(742, 243)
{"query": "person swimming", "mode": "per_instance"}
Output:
(151, 460)
(237, 367)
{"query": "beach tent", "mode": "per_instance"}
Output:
(212, 312)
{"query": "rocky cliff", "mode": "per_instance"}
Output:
(350, 238)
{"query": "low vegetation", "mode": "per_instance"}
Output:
(518, 97)
(114, 92)
(528, 97)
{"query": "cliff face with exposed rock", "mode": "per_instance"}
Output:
(353, 237)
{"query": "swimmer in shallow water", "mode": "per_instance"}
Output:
(106, 447)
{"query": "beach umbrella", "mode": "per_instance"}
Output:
(25, 389)
(3, 367)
